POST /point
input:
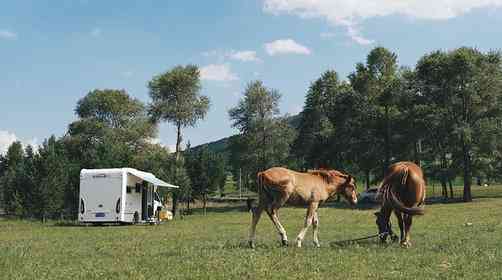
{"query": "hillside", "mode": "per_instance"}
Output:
(221, 145)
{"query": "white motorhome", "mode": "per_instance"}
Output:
(119, 195)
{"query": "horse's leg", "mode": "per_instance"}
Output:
(256, 217)
(315, 227)
(383, 222)
(272, 213)
(400, 221)
(308, 221)
(407, 226)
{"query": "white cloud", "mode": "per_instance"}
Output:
(7, 138)
(350, 13)
(212, 53)
(157, 141)
(285, 46)
(96, 32)
(295, 110)
(7, 35)
(217, 72)
(245, 56)
(355, 35)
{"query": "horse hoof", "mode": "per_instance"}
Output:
(405, 244)
(284, 243)
(251, 244)
(317, 245)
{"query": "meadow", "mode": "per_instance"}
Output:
(452, 241)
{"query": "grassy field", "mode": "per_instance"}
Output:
(452, 241)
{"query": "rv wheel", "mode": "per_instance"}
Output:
(136, 218)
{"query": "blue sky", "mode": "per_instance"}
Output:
(53, 52)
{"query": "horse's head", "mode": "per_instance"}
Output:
(384, 227)
(349, 190)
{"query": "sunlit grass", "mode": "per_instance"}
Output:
(452, 241)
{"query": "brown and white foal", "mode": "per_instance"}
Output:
(278, 185)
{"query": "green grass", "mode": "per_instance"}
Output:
(213, 247)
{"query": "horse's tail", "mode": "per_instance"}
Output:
(264, 193)
(396, 203)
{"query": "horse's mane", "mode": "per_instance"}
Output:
(328, 175)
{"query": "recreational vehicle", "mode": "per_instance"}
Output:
(120, 195)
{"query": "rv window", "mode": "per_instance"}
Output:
(138, 187)
(128, 189)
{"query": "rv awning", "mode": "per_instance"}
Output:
(149, 177)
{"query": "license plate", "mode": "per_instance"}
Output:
(100, 215)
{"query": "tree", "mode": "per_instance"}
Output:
(13, 180)
(111, 128)
(207, 172)
(52, 173)
(265, 138)
(176, 99)
(315, 128)
(377, 80)
(3, 169)
(354, 141)
(464, 88)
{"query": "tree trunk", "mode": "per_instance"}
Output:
(175, 203)
(204, 201)
(178, 141)
(387, 139)
(444, 189)
(415, 154)
(467, 173)
(367, 179)
(178, 145)
(444, 178)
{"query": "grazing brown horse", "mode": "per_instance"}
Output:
(277, 185)
(402, 191)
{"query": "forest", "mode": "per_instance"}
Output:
(444, 113)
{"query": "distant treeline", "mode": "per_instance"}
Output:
(445, 113)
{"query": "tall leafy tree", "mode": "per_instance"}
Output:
(52, 175)
(3, 169)
(111, 128)
(265, 138)
(176, 99)
(207, 172)
(377, 80)
(13, 180)
(111, 125)
(465, 88)
(315, 127)
(354, 140)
